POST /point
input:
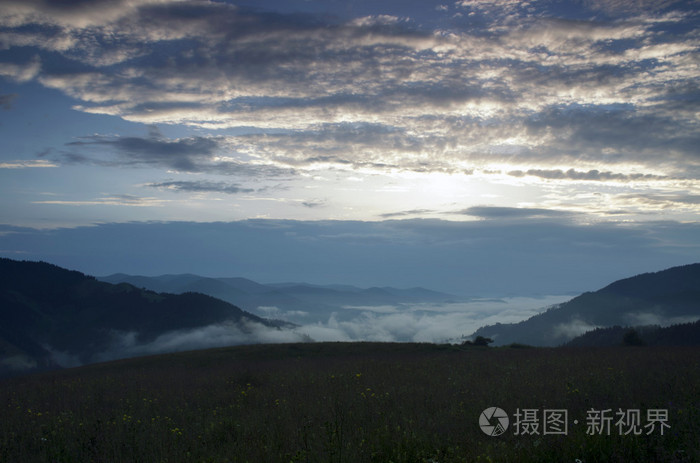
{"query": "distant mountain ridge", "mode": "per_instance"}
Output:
(50, 316)
(662, 298)
(302, 302)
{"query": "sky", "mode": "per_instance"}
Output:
(474, 146)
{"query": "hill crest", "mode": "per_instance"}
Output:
(52, 317)
(664, 298)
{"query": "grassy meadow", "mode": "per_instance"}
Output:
(350, 402)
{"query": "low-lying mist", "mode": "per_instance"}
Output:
(426, 322)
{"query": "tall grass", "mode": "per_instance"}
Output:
(339, 402)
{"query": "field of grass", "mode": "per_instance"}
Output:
(351, 402)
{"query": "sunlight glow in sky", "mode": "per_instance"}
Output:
(213, 110)
(526, 123)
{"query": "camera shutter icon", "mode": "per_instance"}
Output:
(493, 421)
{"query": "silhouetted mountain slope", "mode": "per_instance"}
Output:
(668, 297)
(50, 315)
(685, 334)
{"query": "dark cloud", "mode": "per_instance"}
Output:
(193, 154)
(590, 132)
(663, 200)
(313, 204)
(594, 174)
(201, 186)
(413, 212)
(182, 154)
(494, 212)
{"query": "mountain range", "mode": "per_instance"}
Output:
(52, 317)
(662, 298)
(296, 302)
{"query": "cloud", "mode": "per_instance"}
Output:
(412, 212)
(519, 81)
(217, 335)
(75, 14)
(18, 362)
(21, 72)
(191, 155)
(629, 6)
(492, 7)
(661, 200)
(423, 322)
(23, 164)
(314, 203)
(572, 329)
(588, 133)
(379, 309)
(493, 212)
(113, 200)
(592, 175)
(127, 344)
(650, 318)
(547, 98)
(181, 154)
(437, 323)
(567, 36)
(201, 186)
(276, 313)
